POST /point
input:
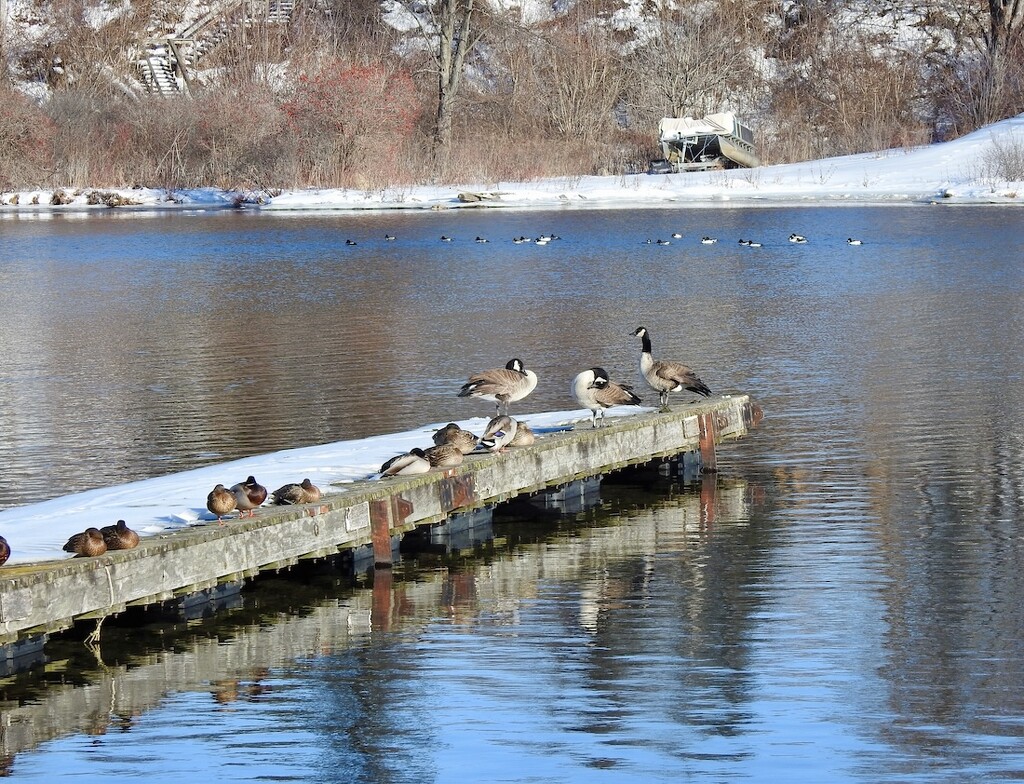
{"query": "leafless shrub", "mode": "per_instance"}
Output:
(26, 142)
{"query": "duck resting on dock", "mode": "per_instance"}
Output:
(412, 462)
(453, 434)
(304, 492)
(499, 433)
(220, 502)
(119, 536)
(666, 376)
(87, 544)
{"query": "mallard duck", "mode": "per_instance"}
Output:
(444, 455)
(220, 502)
(499, 433)
(502, 385)
(524, 435)
(87, 544)
(594, 390)
(453, 434)
(5, 551)
(412, 462)
(249, 495)
(119, 536)
(305, 492)
(666, 376)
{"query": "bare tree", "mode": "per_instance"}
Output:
(1005, 74)
(450, 28)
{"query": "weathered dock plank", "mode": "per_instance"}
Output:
(46, 597)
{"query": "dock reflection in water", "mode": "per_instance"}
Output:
(342, 669)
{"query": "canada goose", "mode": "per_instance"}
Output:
(502, 385)
(453, 434)
(221, 501)
(304, 492)
(444, 455)
(524, 435)
(119, 536)
(5, 551)
(798, 239)
(852, 241)
(708, 240)
(87, 544)
(411, 462)
(248, 495)
(594, 390)
(666, 376)
(499, 433)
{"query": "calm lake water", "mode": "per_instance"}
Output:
(843, 602)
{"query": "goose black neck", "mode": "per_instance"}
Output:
(646, 343)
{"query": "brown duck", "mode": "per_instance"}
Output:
(453, 434)
(87, 544)
(119, 536)
(444, 455)
(305, 492)
(220, 502)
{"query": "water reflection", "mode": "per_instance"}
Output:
(844, 604)
(367, 661)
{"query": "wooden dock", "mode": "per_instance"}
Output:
(197, 562)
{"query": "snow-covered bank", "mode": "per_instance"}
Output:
(38, 532)
(956, 172)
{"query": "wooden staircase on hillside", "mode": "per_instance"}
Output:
(167, 62)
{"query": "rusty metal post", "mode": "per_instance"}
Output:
(380, 532)
(708, 433)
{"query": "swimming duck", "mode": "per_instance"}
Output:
(87, 544)
(389, 237)
(520, 240)
(499, 433)
(119, 536)
(220, 502)
(709, 240)
(5, 551)
(453, 434)
(502, 385)
(304, 492)
(594, 390)
(445, 238)
(412, 462)
(752, 244)
(676, 235)
(664, 242)
(524, 435)
(351, 242)
(852, 241)
(481, 239)
(444, 455)
(666, 376)
(798, 239)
